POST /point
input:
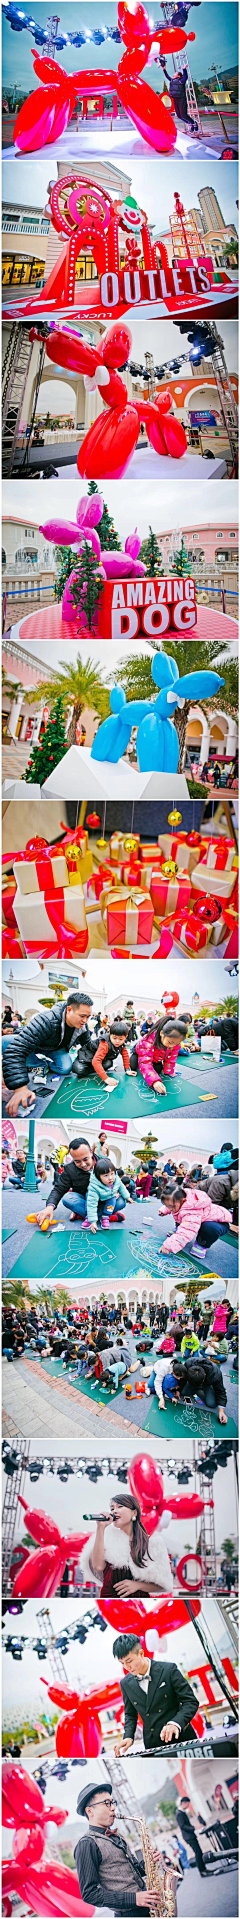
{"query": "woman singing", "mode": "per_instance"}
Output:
(120, 1557)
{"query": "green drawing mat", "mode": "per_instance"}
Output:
(133, 1098)
(72, 1257)
(202, 1062)
(8, 1232)
(186, 1422)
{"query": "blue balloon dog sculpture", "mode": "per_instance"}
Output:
(157, 740)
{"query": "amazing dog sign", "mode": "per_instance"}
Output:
(148, 607)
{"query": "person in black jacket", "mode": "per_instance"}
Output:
(72, 1178)
(49, 1035)
(157, 1692)
(109, 1874)
(201, 1378)
(225, 1026)
(189, 1835)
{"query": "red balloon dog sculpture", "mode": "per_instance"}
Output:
(46, 113)
(108, 447)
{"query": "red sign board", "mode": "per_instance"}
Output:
(150, 607)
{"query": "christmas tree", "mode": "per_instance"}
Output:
(86, 587)
(66, 559)
(152, 558)
(106, 529)
(180, 561)
(50, 749)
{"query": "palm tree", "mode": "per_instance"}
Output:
(78, 686)
(136, 677)
(228, 1006)
(230, 252)
(229, 1548)
(60, 1300)
(16, 1294)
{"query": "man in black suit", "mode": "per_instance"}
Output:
(189, 1835)
(157, 1693)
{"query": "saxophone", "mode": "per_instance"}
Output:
(162, 1884)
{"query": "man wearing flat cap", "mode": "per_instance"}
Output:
(108, 1873)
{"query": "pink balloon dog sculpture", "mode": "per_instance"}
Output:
(108, 447)
(46, 113)
(48, 1888)
(112, 565)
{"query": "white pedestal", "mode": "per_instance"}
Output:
(20, 790)
(78, 777)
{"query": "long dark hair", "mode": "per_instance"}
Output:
(139, 1546)
(169, 1027)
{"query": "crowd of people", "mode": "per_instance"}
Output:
(71, 1038)
(180, 1351)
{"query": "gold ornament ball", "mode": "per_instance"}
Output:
(174, 819)
(169, 869)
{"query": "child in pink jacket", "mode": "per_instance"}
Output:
(157, 1054)
(195, 1216)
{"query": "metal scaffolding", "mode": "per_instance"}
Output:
(225, 393)
(10, 1515)
(56, 1661)
(208, 1542)
(180, 60)
(14, 380)
(150, 375)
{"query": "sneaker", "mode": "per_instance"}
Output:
(199, 1252)
(105, 1224)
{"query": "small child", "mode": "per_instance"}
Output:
(112, 1049)
(105, 1196)
(194, 1215)
(158, 1053)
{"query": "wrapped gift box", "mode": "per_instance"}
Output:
(34, 921)
(169, 896)
(192, 933)
(149, 850)
(123, 846)
(79, 862)
(179, 847)
(128, 918)
(67, 865)
(221, 854)
(42, 874)
(136, 874)
(212, 876)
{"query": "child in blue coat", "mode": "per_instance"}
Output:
(106, 1196)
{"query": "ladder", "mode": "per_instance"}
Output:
(151, 376)
(208, 1543)
(180, 60)
(15, 374)
(10, 1516)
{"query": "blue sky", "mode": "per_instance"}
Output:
(29, 185)
(215, 27)
(153, 187)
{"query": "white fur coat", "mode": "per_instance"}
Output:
(156, 1564)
